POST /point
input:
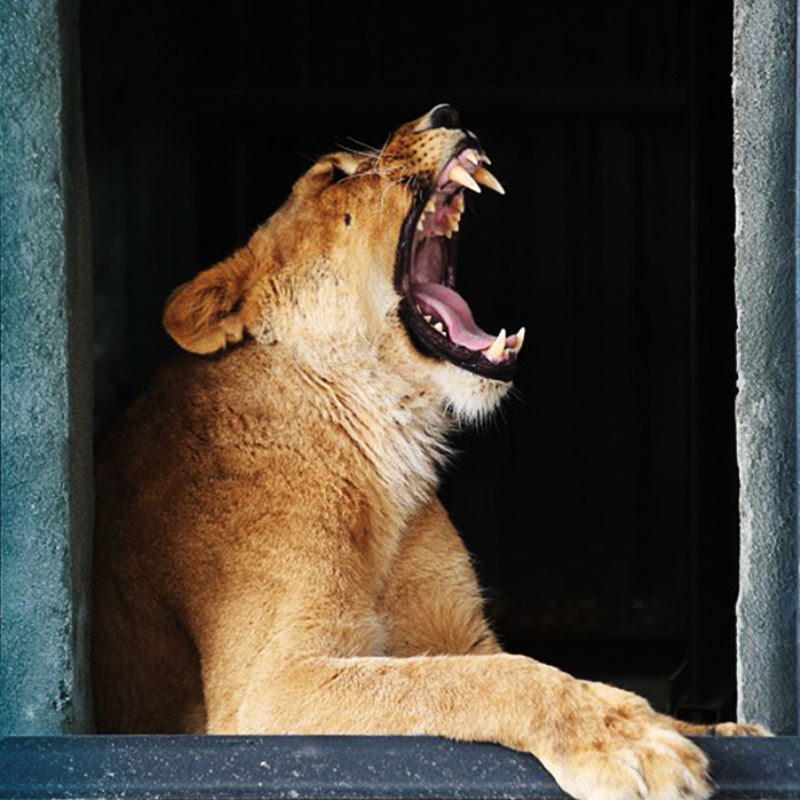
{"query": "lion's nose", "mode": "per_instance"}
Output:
(444, 116)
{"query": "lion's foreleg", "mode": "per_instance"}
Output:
(598, 742)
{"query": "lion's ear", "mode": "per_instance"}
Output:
(205, 314)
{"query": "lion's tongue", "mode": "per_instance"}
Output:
(448, 306)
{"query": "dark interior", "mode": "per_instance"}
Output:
(601, 504)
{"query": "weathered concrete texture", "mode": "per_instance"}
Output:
(765, 180)
(46, 373)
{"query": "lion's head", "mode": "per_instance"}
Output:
(360, 259)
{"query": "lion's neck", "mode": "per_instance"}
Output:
(398, 426)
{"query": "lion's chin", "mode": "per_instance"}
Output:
(468, 397)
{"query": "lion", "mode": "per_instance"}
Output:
(271, 556)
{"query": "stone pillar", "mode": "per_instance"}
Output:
(765, 178)
(45, 338)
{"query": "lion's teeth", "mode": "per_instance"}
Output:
(459, 175)
(430, 207)
(482, 175)
(421, 224)
(498, 345)
(472, 157)
(459, 203)
(427, 318)
(439, 326)
(520, 339)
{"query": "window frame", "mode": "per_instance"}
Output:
(72, 766)
(336, 768)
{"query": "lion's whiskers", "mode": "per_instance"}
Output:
(366, 149)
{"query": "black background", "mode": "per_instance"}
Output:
(601, 503)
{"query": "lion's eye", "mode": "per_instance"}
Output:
(338, 174)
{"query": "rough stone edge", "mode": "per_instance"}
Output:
(46, 374)
(764, 94)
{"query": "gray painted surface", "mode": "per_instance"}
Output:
(337, 768)
(764, 92)
(46, 373)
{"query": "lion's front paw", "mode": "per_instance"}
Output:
(738, 729)
(719, 729)
(610, 745)
(658, 765)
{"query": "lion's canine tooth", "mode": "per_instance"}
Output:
(421, 224)
(472, 157)
(459, 175)
(482, 175)
(520, 339)
(498, 345)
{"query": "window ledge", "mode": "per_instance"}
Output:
(335, 768)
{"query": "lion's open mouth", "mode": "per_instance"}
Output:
(437, 316)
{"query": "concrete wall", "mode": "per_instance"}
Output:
(765, 116)
(46, 373)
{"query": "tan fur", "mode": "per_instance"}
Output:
(270, 553)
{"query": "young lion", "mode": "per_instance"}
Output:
(271, 556)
